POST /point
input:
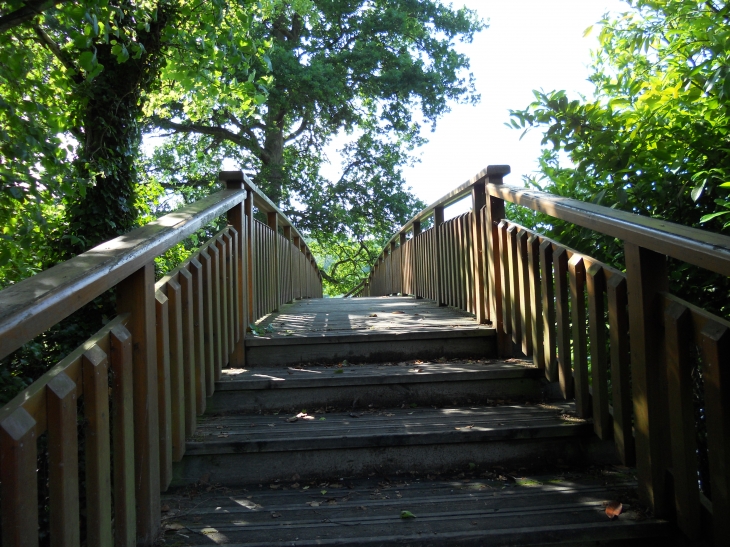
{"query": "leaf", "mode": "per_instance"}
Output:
(614, 509)
(339, 371)
(87, 60)
(407, 515)
(323, 492)
(587, 31)
(697, 191)
(713, 215)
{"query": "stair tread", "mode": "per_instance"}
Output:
(530, 510)
(383, 427)
(377, 373)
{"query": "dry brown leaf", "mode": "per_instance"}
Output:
(373, 315)
(613, 509)
(274, 486)
(313, 503)
(292, 419)
(275, 515)
(165, 508)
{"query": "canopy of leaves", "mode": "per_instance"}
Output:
(654, 140)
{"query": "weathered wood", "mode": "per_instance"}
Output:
(525, 291)
(515, 300)
(715, 347)
(63, 462)
(225, 332)
(248, 249)
(565, 372)
(646, 277)
(505, 286)
(125, 527)
(189, 355)
(35, 304)
(577, 273)
(691, 245)
(208, 320)
(437, 258)
(218, 332)
(237, 220)
(478, 201)
(177, 369)
(136, 296)
(596, 289)
(98, 450)
(273, 223)
(202, 348)
(164, 412)
(618, 326)
(677, 323)
(535, 284)
(548, 308)
(18, 479)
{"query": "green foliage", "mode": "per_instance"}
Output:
(653, 141)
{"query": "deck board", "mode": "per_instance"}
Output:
(374, 315)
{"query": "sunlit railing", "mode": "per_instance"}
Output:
(143, 379)
(627, 351)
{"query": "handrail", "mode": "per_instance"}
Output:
(566, 311)
(33, 305)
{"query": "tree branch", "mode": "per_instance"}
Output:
(302, 128)
(26, 12)
(54, 48)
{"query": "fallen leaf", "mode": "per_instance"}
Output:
(305, 488)
(373, 315)
(613, 509)
(275, 515)
(292, 419)
(274, 486)
(165, 508)
(398, 312)
(295, 485)
(223, 435)
(323, 492)
(407, 515)
(204, 479)
(295, 477)
(339, 371)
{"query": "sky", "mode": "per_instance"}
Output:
(530, 44)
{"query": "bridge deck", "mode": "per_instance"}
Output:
(376, 315)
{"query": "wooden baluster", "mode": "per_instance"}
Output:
(448, 251)
(274, 242)
(230, 294)
(136, 296)
(715, 347)
(618, 327)
(236, 216)
(19, 480)
(526, 292)
(190, 354)
(98, 452)
(248, 250)
(163, 389)
(478, 202)
(470, 264)
(404, 274)
(63, 461)
(535, 283)
(289, 265)
(219, 330)
(437, 258)
(203, 350)
(120, 343)
(565, 372)
(494, 214)
(548, 308)
(177, 369)
(646, 277)
(596, 288)
(677, 326)
(514, 286)
(224, 333)
(459, 263)
(577, 274)
(418, 281)
(506, 286)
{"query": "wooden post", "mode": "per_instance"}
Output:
(136, 296)
(237, 218)
(478, 200)
(438, 220)
(273, 222)
(247, 240)
(289, 267)
(646, 277)
(417, 288)
(495, 213)
(402, 241)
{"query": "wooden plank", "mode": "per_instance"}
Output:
(98, 450)
(136, 296)
(646, 277)
(18, 479)
(231, 297)
(525, 290)
(677, 323)
(699, 247)
(177, 369)
(506, 285)
(237, 221)
(548, 308)
(596, 288)
(514, 286)
(479, 201)
(218, 332)
(248, 249)
(63, 462)
(125, 514)
(577, 274)
(225, 331)
(202, 348)
(618, 327)
(437, 258)
(208, 320)
(715, 347)
(33, 305)
(562, 313)
(190, 356)
(164, 412)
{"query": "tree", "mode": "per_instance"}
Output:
(653, 141)
(371, 69)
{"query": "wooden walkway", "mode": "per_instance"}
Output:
(377, 315)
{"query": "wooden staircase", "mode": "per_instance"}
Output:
(333, 453)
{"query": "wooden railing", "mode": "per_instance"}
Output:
(143, 379)
(618, 343)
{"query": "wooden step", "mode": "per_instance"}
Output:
(418, 382)
(359, 347)
(241, 449)
(473, 508)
